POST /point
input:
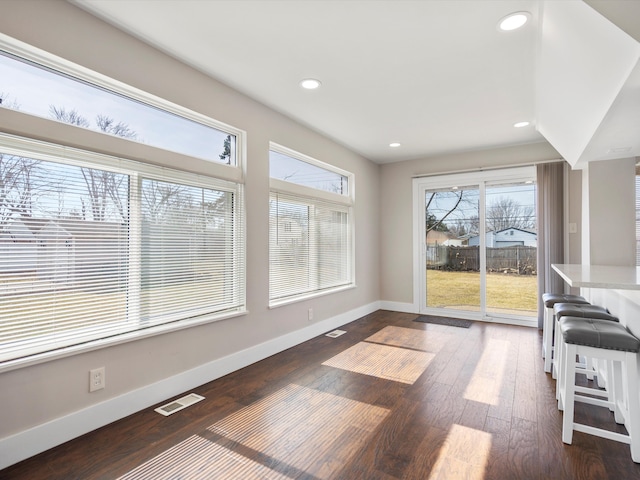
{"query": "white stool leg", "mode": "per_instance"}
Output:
(547, 338)
(615, 390)
(568, 391)
(633, 404)
(588, 362)
(557, 342)
(559, 366)
(601, 370)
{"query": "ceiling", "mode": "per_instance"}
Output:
(436, 76)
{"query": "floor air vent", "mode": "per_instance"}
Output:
(336, 333)
(179, 404)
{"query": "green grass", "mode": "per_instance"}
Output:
(506, 293)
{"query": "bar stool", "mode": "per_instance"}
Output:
(612, 342)
(550, 299)
(576, 310)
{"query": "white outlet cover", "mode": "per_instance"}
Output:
(97, 385)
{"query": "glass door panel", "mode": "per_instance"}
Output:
(452, 261)
(511, 249)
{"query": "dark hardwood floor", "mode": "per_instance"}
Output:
(390, 399)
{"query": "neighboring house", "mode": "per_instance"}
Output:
(17, 242)
(59, 250)
(435, 237)
(288, 230)
(437, 252)
(508, 237)
(56, 255)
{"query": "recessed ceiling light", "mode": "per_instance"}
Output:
(513, 21)
(310, 83)
(521, 124)
(394, 144)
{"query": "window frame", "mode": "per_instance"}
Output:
(278, 186)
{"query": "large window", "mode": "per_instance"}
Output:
(94, 247)
(310, 227)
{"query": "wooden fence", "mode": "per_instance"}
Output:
(515, 259)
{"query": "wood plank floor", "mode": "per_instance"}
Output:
(390, 399)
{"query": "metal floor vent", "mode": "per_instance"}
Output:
(179, 404)
(336, 333)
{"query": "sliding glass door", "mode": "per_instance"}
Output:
(476, 245)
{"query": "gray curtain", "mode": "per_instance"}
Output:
(550, 211)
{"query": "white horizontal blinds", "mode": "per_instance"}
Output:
(334, 240)
(89, 253)
(309, 245)
(289, 246)
(188, 251)
(63, 254)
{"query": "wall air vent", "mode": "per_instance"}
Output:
(335, 333)
(179, 404)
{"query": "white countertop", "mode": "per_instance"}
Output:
(599, 276)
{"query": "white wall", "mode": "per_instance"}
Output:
(610, 207)
(42, 393)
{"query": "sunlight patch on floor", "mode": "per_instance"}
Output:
(302, 426)
(382, 361)
(464, 455)
(293, 431)
(426, 340)
(485, 384)
(198, 458)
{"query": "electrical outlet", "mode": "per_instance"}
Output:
(96, 379)
(310, 314)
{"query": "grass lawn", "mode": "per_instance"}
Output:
(505, 293)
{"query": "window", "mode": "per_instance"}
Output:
(300, 172)
(310, 227)
(94, 247)
(86, 99)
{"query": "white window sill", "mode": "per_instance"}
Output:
(308, 296)
(115, 340)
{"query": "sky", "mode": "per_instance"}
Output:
(523, 194)
(284, 167)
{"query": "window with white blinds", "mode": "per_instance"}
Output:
(310, 229)
(93, 247)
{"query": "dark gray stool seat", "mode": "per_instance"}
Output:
(550, 299)
(562, 310)
(593, 332)
(582, 310)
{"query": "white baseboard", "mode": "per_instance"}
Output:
(28, 443)
(398, 307)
